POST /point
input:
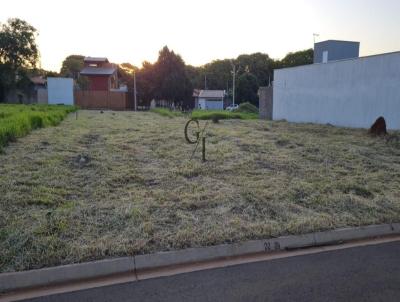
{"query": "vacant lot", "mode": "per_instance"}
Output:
(121, 183)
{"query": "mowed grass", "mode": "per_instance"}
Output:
(121, 183)
(18, 120)
(167, 112)
(222, 115)
(207, 114)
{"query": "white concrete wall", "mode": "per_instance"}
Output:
(60, 91)
(349, 93)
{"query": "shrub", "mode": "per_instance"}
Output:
(247, 108)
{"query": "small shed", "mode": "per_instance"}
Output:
(209, 99)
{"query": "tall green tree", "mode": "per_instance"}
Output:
(218, 74)
(71, 68)
(145, 83)
(259, 64)
(171, 81)
(18, 53)
(247, 88)
(18, 44)
(126, 72)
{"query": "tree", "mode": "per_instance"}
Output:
(259, 64)
(292, 59)
(18, 53)
(72, 65)
(218, 74)
(126, 72)
(196, 76)
(171, 82)
(71, 68)
(18, 44)
(145, 83)
(247, 88)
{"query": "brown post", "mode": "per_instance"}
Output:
(204, 148)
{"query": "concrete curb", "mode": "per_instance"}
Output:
(103, 268)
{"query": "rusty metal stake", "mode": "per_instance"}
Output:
(204, 148)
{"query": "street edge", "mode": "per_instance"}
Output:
(96, 269)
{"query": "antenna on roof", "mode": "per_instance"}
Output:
(314, 36)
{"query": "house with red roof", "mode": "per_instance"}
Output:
(101, 74)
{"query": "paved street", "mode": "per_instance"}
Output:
(369, 273)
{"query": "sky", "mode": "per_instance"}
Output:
(202, 30)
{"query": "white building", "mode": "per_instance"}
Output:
(350, 93)
(209, 99)
(60, 91)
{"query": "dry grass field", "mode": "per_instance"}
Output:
(121, 183)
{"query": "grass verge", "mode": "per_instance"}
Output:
(18, 120)
(222, 115)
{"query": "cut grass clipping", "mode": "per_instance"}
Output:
(18, 120)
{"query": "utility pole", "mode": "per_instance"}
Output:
(134, 90)
(205, 82)
(233, 86)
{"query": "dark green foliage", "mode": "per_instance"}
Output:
(171, 81)
(253, 70)
(71, 67)
(247, 108)
(17, 44)
(247, 88)
(18, 53)
(298, 58)
(258, 64)
(166, 79)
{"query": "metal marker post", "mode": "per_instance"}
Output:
(76, 115)
(204, 148)
(199, 136)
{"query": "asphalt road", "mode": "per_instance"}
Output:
(369, 273)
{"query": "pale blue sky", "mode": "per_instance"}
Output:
(202, 30)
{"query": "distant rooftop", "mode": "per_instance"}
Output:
(38, 80)
(96, 59)
(211, 93)
(339, 41)
(98, 70)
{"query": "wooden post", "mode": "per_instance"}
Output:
(203, 148)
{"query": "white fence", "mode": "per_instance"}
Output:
(349, 93)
